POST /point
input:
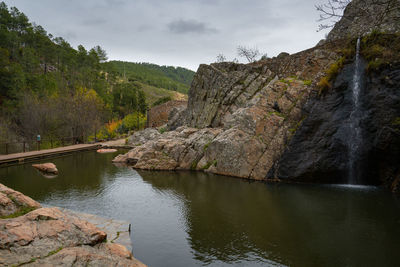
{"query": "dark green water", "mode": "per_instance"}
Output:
(191, 219)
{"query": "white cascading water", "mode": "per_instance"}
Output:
(355, 138)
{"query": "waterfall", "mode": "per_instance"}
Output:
(355, 136)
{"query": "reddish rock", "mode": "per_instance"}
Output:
(159, 114)
(106, 150)
(46, 168)
(54, 238)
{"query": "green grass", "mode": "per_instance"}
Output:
(22, 211)
(209, 164)
(396, 122)
(168, 77)
(277, 114)
(206, 146)
(194, 165)
(54, 251)
(326, 82)
(380, 49)
(153, 94)
(118, 233)
(32, 260)
(162, 100)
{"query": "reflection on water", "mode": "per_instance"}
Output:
(186, 218)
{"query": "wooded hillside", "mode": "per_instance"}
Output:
(49, 88)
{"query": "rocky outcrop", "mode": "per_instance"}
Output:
(50, 237)
(238, 120)
(48, 168)
(361, 17)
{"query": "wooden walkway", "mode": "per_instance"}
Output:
(32, 155)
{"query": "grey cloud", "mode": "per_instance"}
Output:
(94, 21)
(109, 3)
(190, 26)
(67, 35)
(178, 32)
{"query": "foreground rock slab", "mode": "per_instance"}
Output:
(52, 237)
(13, 202)
(117, 231)
(49, 168)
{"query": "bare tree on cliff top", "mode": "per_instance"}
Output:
(251, 54)
(333, 10)
(221, 58)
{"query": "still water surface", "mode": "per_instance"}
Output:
(197, 219)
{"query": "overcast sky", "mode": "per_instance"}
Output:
(178, 32)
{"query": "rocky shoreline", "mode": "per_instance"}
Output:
(33, 235)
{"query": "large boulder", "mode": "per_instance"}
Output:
(106, 150)
(50, 237)
(48, 168)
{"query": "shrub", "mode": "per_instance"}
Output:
(334, 68)
(380, 49)
(331, 73)
(130, 122)
(348, 52)
(374, 51)
(324, 84)
(374, 64)
(112, 128)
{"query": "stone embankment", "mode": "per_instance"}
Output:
(47, 236)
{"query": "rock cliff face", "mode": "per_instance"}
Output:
(318, 152)
(239, 117)
(361, 17)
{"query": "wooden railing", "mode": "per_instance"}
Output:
(34, 145)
